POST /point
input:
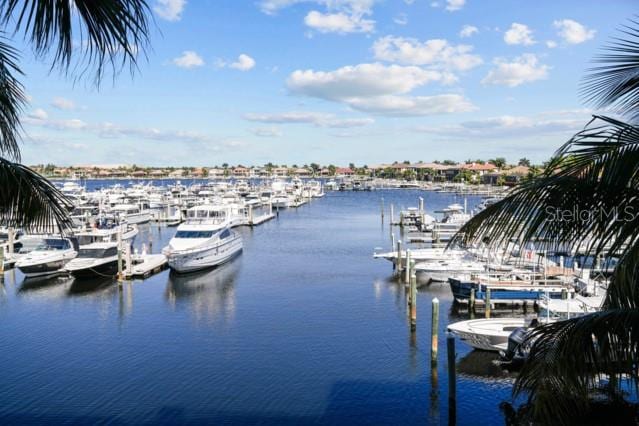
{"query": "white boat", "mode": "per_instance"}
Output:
(95, 260)
(441, 270)
(489, 334)
(205, 240)
(48, 257)
(131, 213)
(107, 231)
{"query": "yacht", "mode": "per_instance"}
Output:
(132, 213)
(95, 260)
(107, 230)
(441, 270)
(205, 240)
(48, 257)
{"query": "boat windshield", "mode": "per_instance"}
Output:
(194, 234)
(53, 244)
(97, 252)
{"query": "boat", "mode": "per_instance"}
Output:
(441, 270)
(131, 213)
(95, 260)
(205, 240)
(487, 334)
(49, 257)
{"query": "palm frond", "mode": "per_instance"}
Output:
(586, 196)
(12, 101)
(109, 32)
(570, 361)
(615, 84)
(30, 201)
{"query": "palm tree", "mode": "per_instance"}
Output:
(111, 34)
(587, 194)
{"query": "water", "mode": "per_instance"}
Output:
(304, 327)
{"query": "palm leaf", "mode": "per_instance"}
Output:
(110, 32)
(12, 101)
(30, 201)
(615, 84)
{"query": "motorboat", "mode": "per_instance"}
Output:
(49, 257)
(487, 334)
(441, 270)
(131, 213)
(205, 240)
(95, 260)
(105, 230)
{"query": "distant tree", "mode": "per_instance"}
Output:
(332, 169)
(205, 172)
(499, 162)
(406, 162)
(449, 163)
(225, 165)
(524, 162)
(351, 166)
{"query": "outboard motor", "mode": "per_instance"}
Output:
(517, 350)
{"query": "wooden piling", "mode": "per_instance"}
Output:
(434, 330)
(452, 380)
(487, 310)
(120, 255)
(413, 298)
(399, 256)
(381, 208)
(1, 262)
(11, 237)
(408, 271)
(471, 306)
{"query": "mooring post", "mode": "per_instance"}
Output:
(129, 261)
(399, 257)
(413, 298)
(11, 237)
(472, 300)
(487, 310)
(434, 330)
(1, 262)
(120, 254)
(409, 268)
(452, 381)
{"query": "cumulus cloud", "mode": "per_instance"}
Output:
(244, 63)
(454, 5)
(339, 16)
(551, 44)
(170, 10)
(468, 31)
(522, 69)
(519, 34)
(267, 132)
(413, 105)
(572, 32)
(63, 103)
(189, 59)
(318, 119)
(38, 114)
(438, 53)
(401, 19)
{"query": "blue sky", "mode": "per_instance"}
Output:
(330, 81)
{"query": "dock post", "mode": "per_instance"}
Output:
(409, 268)
(487, 310)
(413, 298)
(129, 261)
(421, 205)
(471, 306)
(120, 255)
(399, 257)
(250, 212)
(452, 380)
(433, 331)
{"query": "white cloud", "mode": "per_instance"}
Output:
(573, 32)
(401, 19)
(453, 5)
(244, 63)
(468, 31)
(340, 22)
(72, 124)
(551, 44)
(170, 10)
(267, 132)
(434, 4)
(318, 119)
(522, 69)
(63, 103)
(340, 16)
(38, 114)
(363, 80)
(519, 34)
(188, 59)
(409, 2)
(413, 105)
(437, 53)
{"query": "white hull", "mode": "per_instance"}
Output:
(487, 334)
(205, 257)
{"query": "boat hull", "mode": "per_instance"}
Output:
(106, 269)
(210, 257)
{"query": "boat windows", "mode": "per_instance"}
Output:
(53, 244)
(97, 252)
(194, 234)
(225, 234)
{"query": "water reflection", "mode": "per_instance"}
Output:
(483, 365)
(209, 294)
(47, 286)
(92, 286)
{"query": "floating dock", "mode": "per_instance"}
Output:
(145, 265)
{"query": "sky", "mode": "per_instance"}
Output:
(329, 81)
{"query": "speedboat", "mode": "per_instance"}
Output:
(131, 213)
(441, 270)
(95, 260)
(205, 240)
(48, 257)
(489, 334)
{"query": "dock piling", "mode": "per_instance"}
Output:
(471, 306)
(452, 380)
(434, 330)
(409, 268)
(413, 298)
(487, 310)
(399, 257)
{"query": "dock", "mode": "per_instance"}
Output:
(145, 265)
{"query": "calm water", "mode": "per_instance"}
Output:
(304, 327)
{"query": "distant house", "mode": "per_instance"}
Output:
(241, 171)
(280, 171)
(176, 173)
(480, 169)
(302, 172)
(510, 176)
(344, 171)
(216, 172)
(139, 174)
